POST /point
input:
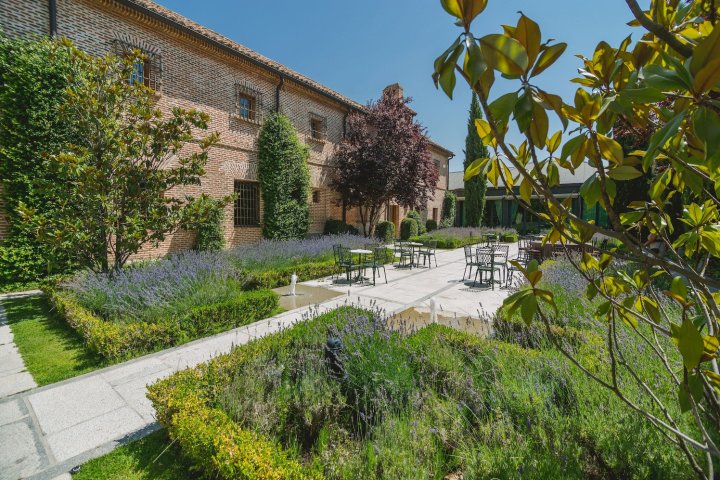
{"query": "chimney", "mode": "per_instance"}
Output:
(395, 90)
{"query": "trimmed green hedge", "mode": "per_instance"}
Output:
(385, 231)
(431, 225)
(116, 341)
(408, 228)
(210, 438)
(415, 215)
(446, 242)
(279, 277)
(338, 227)
(509, 237)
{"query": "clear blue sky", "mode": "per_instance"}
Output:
(359, 47)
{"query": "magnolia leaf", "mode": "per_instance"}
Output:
(705, 52)
(525, 190)
(483, 130)
(502, 107)
(707, 77)
(590, 191)
(661, 137)
(554, 142)
(548, 56)
(689, 342)
(475, 168)
(528, 308)
(624, 173)
(610, 149)
(538, 125)
(504, 54)
(528, 34)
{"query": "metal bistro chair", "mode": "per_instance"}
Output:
(470, 260)
(500, 254)
(404, 252)
(339, 264)
(428, 253)
(347, 261)
(524, 257)
(379, 258)
(485, 259)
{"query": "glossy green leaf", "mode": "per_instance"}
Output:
(548, 56)
(504, 54)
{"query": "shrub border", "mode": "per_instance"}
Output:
(116, 341)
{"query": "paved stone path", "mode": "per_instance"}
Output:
(14, 377)
(46, 431)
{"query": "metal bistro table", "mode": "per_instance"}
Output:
(412, 246)
(361, 252)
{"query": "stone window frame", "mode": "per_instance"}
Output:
(318, 134)
(152, 65)
(255, 96)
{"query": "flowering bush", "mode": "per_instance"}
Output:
(403, 404)
(274, 253)
(148, 291)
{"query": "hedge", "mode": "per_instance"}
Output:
(509, 237)
(385, 231)
(279, 277)
(338, 227)
(116, 341)
(408, 228)
(431, 225)
(446, 242)
(210, 438)
(414, 214)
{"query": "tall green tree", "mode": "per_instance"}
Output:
(113, 184)
(475, 187)
(284, 179)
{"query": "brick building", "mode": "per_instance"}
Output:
(189, 65)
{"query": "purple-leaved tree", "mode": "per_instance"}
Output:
(384, 157)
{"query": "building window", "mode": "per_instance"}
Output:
(435, 214)
(148, 69)
(246, 107)
(318, 127)
(248, 103)
(141, 72)
(316, 196)
(247, 204)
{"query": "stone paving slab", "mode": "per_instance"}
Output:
(47, 431)
(20, 454)
(14, 377)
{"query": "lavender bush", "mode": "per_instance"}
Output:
(151, 290)
(275, 253)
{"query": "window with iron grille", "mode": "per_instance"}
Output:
(247, 204)
(147, 70)
(248, 103)
(318, 127)
(316, 196)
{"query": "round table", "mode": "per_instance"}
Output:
(412, 246)
(361, 252)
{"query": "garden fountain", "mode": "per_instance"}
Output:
(293, 283)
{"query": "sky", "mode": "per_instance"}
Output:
(359, 47)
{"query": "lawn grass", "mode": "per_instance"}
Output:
(51, 349)
(152, 457)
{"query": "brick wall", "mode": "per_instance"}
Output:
(196, 74)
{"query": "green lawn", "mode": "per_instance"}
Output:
(52, 351)
(145, 459)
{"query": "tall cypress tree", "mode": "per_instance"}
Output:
(474, 188)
